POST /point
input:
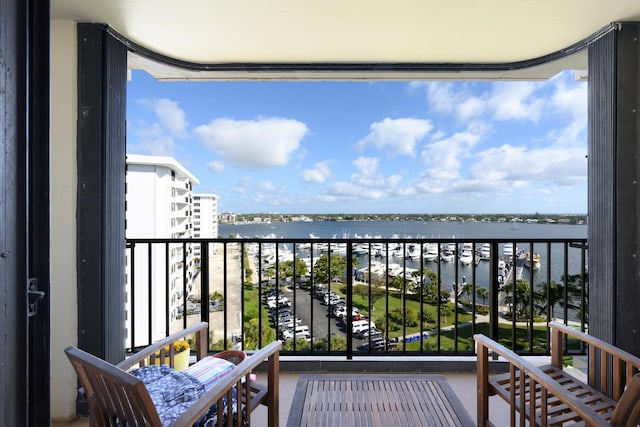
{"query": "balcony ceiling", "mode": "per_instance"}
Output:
(355, 32)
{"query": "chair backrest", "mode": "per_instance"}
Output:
(116, 398)
(627, 412)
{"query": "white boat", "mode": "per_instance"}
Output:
(413, 252)
(397, 251)
(431, 252)
(532, 262)
(485, 251)
(361, 248)
(466, 256)
(507, 251)
(447, 256)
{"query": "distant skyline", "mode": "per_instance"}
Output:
(371, 147)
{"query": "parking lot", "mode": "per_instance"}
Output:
(313, 314)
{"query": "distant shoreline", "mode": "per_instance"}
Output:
(261, 218)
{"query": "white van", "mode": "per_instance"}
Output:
(299, 330)
(360, 325)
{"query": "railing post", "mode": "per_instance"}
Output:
(204, 288)
(349, 312)
(494, 293)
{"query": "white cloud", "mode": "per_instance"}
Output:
(319, 173)
(242, 186)
(172, 118)
(443, 158)
(351, 191)
(253, 144)
(151, 139)
(399, 136)
(158, 138)
(216, 167)
(504, 100)
(554, 164)
(267, 192)
(366, 166)
(365, 183)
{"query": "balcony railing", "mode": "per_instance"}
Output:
(360, 296)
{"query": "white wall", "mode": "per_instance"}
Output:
(64, 311)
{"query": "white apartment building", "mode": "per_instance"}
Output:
(205, 218)
(159, 204)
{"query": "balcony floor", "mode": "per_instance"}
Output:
(463, 384)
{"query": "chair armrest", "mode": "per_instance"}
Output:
(140, 358)
(221, 388)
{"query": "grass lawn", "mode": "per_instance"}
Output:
(466, 343)
(447, 337)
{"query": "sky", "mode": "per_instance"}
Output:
(427, 147)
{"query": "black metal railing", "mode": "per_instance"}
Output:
(357, 296)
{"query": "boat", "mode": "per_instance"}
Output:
(431, 252)
(507, 251)
(485, 251)
(413, 252)
(447, 256)
(466, 256)
(532, 262)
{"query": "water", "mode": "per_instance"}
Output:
(414, 229)
(436, 230)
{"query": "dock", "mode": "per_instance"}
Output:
(516, 269)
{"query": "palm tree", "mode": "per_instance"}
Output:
(520, 296)
(552, 295)
(445, 310)
(483, 294)
(467, 288)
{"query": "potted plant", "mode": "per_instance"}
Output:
(181, 352)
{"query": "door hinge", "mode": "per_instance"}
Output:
(34, 296)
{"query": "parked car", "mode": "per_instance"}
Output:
(300, 329)
(365, 333)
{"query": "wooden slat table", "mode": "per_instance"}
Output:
(376, 400)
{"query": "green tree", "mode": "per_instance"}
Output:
(430, 282)
(519, 299)
(321, 271)
(337, 344)
(467, 289)
(483, 294)
(252, 333)
(301, 345)
(407, 318)
(445, 312)
(399, 283)
(287, 269)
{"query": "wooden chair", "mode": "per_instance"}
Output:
(117, 398)
(549, 395)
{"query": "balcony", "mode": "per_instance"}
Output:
(407, 297)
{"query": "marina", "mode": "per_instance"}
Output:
(414, 249)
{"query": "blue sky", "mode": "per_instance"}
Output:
(371, 147)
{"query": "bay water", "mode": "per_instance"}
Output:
(451, 272)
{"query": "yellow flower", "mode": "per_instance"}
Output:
(180, 345)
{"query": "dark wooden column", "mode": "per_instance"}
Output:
(102, 78)
(614, 197)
